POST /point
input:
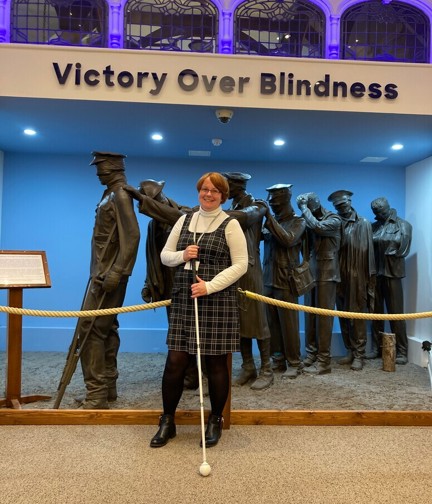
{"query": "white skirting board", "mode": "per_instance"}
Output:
(430, 367)
(416, 354)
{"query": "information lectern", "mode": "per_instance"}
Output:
(19, 270)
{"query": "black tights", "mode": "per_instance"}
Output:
(174, 374)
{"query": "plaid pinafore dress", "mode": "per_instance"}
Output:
(217, 313)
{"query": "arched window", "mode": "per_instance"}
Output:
(60, 22)
(385, 31)
(171, 25)
(280, 28)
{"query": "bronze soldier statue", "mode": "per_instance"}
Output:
(159, 279)
(324, 235)
(114, 249)
(253, 322)
(355, 292)
(392, 242)
(282, 235)
(164, 213)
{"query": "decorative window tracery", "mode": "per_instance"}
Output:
(171, 25)
(59, 22)
(385, 30)
(280, 28)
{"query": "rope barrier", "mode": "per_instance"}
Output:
(335, 313)
(251, 295)
(84, 313)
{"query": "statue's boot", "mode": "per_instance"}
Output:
(349, 357)
(278, 362)
(248, 370)
(266, 377)
(93, 367)
(247, 373)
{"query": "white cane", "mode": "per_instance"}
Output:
(205, 468)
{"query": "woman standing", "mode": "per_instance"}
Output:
(217, 245)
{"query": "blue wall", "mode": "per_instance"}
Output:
(49, 203)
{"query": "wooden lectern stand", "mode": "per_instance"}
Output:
(19, 270)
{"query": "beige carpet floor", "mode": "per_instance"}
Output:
(250, 465)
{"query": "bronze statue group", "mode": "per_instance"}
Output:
(356, 266)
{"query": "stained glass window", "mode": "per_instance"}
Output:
(171, 25)
(385, 31)
(280, 28)
(61, 22)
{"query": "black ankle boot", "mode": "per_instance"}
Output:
(167, 431)
(213, 431)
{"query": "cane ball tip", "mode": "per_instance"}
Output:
(205, 469)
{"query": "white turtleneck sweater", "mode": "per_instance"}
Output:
(207, 222)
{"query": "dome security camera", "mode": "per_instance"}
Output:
(224, 116)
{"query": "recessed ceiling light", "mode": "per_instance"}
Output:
(397, 146)
(279, 142)
(29, 132)
(157, 137)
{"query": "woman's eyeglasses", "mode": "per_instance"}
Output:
(213, 192)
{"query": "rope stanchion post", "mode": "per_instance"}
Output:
(388, 351)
